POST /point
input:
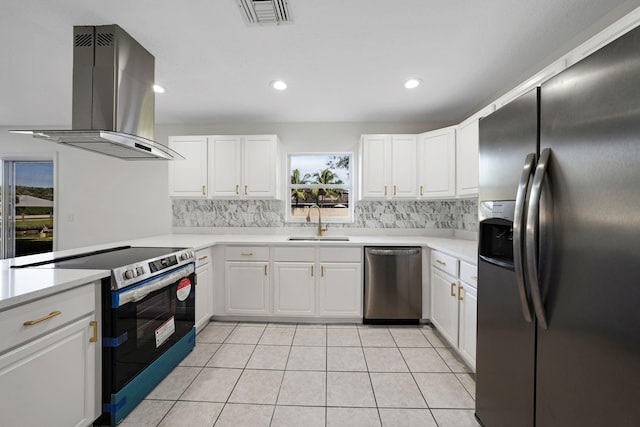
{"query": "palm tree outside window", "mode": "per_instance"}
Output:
(323, 180)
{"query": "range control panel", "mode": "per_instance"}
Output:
(137, 272)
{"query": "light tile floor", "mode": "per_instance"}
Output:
(286, 374)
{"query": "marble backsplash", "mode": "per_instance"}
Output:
(459, 214)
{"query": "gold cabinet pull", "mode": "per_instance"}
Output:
(246, 189)
(460, 293)
(94, 325)
(474, 277)
(265, 269)
(204, 190)
(453, 287)
(246, 253)
(202, 258)
(237, 190)
(43, 318)
(312, 271)
(385, 190)
(441, 262)
(421, 190)
(394, 190)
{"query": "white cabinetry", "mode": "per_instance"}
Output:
(243, 167)
(247, 280)
(468, 299)
(204, 288)
(188, 177)
(437, 164)
(467, 139)
(340, 282)
(48, 369)
(294, 272)
(388, 167)
(306, 281)
(454, 303)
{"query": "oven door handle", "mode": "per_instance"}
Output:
(140, 292)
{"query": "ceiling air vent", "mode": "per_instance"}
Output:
(265, 12)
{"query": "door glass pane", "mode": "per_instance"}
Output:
(33, 207)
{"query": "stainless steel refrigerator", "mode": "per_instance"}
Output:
(559, 249)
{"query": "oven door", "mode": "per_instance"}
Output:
(146, 319)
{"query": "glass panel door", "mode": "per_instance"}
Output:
(27, 208)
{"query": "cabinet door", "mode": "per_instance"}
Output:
(437, 164)
(468, 299)
(225, 167)
(188, 177)
(294, 288)
(444, 305)
(50, 381)
(204, 289)
(340, 290)
(375, 167)
(246, 287)
(403, 167)
(467, 159)
(260, 168)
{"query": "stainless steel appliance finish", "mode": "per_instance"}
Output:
(575, 264)
(392, 284)
(113, 99)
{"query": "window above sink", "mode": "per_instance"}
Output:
(323, 180)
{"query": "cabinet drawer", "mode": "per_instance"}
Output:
(340, 254)
(203, 257)
(247, 253)
(294, 254)
(469, 273)
(444, 262)
(71, 304)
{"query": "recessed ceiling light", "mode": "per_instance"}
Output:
(412, 83)
(278, 85)
(158, 89)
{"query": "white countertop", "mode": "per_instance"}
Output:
(18, 286)
(21, 285)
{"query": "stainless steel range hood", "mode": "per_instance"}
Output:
(113, 98)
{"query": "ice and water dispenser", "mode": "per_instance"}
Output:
(496, 232)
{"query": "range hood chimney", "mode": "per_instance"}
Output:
(113, 98)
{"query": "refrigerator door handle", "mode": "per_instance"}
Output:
(518, 222)
(531, 238)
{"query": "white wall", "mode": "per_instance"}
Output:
(110, 199)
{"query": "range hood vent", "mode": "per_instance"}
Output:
(113, 100)
(265, 12)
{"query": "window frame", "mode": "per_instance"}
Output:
(350, 188)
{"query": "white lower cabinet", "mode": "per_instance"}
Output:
(444, 304)
(51, 380)
(204, 288)
(340, 289)
(454, 300)
(305, 281)
(247, 287)
(294, 288)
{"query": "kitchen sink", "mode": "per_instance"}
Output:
(318, 238)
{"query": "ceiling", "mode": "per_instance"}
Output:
(344, 60)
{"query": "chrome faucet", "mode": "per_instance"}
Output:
(320, 229)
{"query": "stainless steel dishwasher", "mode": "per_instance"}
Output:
(392, 284)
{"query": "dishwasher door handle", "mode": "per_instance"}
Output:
(393, 251)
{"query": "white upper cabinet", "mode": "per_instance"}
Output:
(437, 164)
(243, 167)
(188, 177)
(467, 139)
(225, 167)
(388, 168)
(225, 164)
